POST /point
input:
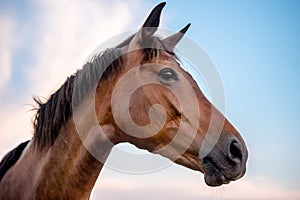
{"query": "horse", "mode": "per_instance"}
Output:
(135, 92)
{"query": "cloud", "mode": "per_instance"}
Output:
(7, 41)
(68, 33)
(12, 123)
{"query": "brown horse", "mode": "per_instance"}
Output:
(136, 92)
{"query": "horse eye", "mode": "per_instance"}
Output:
(168, 74)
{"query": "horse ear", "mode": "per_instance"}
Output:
(149, 27)
(152, 22)
(171, 41)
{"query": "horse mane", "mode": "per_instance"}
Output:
(11, 158)
(52, 114)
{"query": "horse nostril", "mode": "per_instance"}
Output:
(235, 152)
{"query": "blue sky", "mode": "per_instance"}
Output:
(255, 46)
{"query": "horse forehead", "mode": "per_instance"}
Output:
(164, 58)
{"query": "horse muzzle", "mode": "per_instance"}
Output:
(226, 161)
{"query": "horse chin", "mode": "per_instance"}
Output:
(214, 175)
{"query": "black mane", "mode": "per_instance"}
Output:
(11, 158)
(56, 111)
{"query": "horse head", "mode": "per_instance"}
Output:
(156, 105)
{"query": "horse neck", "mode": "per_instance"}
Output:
(67, 170)
(69, 165)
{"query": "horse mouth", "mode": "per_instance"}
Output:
(214, 175)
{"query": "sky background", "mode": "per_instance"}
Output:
(255, 46)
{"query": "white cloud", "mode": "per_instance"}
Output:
(13, 128)
(7, 41)
(68, 33)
